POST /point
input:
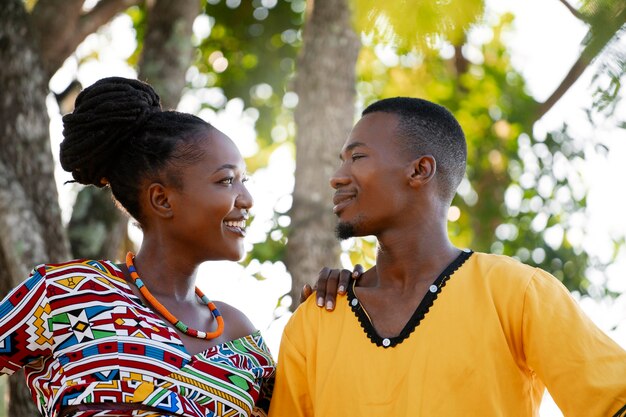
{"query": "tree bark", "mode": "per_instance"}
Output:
(167, 49)
(325, 84)
(59, 26)
(97, 228)
(31, 231)
(30, 220)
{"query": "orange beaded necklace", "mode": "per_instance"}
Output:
(169, 316)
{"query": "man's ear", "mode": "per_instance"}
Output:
(422, 170)
(158, 200)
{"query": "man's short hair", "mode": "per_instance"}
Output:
(426, 128)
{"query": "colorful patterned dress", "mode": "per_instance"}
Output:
(83, 337)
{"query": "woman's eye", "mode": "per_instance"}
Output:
(357, 156)
(228, 180)
(245, 179)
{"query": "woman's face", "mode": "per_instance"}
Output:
(210, 207)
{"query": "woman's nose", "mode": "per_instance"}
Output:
(244, 199)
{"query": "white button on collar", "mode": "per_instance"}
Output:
(386, 342)
(354, 302)
(433, 288)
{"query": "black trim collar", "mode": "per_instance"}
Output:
(419, 313)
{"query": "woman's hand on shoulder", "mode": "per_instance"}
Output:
(330, 283)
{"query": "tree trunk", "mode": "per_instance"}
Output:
(325, 84)
(97, 228)
(167, 49)
(26, 164)
(31, 231)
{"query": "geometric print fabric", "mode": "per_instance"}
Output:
(83, 337)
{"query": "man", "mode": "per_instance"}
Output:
(432, 330)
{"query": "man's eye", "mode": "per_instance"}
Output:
(245, 179)
(357, 156)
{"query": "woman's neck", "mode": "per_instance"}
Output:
(165, 272)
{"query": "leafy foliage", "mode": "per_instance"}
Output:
(410, 25)
(138, 16)
(609, 75)
(245, 50)
(250, 53)
(523, 195)
(607, 26)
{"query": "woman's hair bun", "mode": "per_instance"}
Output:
(107, 116)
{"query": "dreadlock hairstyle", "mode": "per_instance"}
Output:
(118, 135)
(426, 128)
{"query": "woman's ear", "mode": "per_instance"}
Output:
(158, 200)
(422, 170)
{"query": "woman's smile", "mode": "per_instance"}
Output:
(236, 226)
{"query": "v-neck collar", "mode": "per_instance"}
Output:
(420, 311)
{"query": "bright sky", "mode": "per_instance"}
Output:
(541, 53)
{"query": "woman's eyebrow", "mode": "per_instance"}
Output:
(226, 166)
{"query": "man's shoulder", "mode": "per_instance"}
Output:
(309, 309)
(492, 260)
(309, 314)
(493, 266)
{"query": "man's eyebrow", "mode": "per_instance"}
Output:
(351, 147)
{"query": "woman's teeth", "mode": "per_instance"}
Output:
(239, 223)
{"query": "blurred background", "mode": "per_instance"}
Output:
(536, 85)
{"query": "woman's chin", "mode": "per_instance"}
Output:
(235, 255)
(238, 255)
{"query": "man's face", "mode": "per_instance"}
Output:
(371, 185)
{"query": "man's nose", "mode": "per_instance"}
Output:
(339, 178)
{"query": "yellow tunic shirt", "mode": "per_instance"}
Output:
(498, 332)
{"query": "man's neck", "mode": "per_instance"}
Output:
(414, 259)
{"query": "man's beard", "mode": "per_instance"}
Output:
(344, 230)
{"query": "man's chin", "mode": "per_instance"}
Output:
(344, 231)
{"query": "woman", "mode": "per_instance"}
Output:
(100, 339)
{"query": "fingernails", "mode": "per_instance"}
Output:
(320, 302)
(329, 305)
(341, 288)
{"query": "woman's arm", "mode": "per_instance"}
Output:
(25, 334)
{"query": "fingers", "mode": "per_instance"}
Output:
(332, 282)
(322, 278)
(305, 293)
(344, 281)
